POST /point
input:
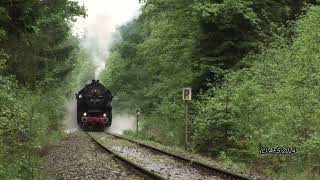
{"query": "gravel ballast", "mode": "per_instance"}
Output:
(77, 157)
(161, 164)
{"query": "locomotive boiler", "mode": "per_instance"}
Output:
(94, 109)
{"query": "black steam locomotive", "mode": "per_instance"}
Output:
(94, 110)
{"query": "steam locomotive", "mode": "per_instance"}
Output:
(94, 109)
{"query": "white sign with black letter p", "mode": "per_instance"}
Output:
(186, 94)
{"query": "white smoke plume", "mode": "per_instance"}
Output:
(122, 122)
(97, 32)
(70, 122)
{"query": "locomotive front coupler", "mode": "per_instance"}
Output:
(84, 119)
(105, 120)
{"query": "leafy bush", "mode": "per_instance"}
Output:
(273, 103)
(36, 55)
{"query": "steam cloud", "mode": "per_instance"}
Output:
(122, 122)
(70, 123)
(97, 32)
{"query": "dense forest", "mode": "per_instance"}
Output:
(253, 66)
(39, 62)
(254, 70)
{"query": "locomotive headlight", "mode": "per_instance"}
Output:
(84, 114)
(80, 96)
(104, 115)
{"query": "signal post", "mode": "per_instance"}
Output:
(138, 113)
(186, 97)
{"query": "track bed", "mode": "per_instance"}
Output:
(160, 164)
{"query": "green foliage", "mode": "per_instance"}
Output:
(27, 120)
(82, 72)
(20, 17)
(153, 49)
(159, 53)
(38, 37)
(37, 54)
(15, 135)
(253, 71)
(273, 103)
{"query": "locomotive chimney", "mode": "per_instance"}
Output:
(97, 81)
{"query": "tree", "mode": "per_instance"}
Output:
(37, 36)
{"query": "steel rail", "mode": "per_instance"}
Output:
(220, 172)
(129, 162)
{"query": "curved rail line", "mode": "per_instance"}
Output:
(225, 174)
(222, 173)
(130, 163)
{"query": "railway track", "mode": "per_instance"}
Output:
(157, 163)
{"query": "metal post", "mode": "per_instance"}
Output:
(186, 96)
(137, 128)
(186, 122)
(138, 112)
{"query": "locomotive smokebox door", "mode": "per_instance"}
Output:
(94, 110)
